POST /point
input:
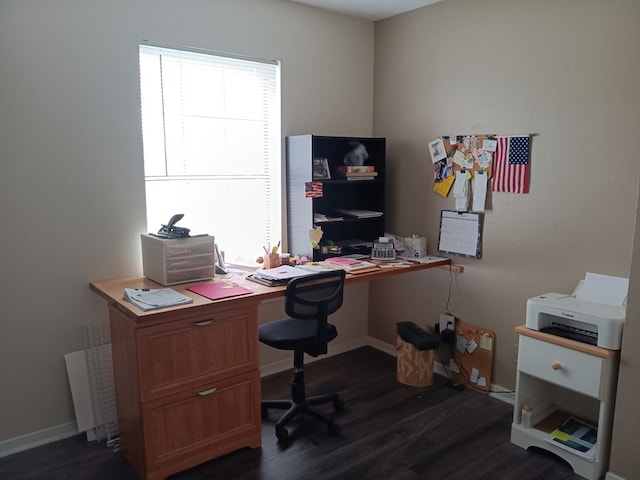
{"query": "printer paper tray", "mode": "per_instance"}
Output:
(561, 332)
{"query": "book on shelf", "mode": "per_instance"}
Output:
(360, 178)
(576, 437)
(360, 174)
(355, 169)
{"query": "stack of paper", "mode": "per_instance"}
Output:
(152, 299)
(575, 436)
(360, 213)
(279, 275)
(316, 267)
(351, 265)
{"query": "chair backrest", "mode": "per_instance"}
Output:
(315, 297)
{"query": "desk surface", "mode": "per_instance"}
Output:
(111, 290)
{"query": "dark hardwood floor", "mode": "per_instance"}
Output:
(388, 431)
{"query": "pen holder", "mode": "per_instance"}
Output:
(271, 261)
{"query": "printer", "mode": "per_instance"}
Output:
(578, 319)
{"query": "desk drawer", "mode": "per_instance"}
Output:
(203, 422)
(177, 355)
(575, 370)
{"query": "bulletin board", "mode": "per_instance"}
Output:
(471, 152)
(473, 352)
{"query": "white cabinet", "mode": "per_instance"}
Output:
(562, 378)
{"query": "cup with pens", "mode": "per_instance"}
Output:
(271, 257)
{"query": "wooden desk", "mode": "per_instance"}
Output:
(187, 378)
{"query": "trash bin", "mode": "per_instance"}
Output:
(416, 354)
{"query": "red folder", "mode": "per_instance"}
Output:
(218, 290)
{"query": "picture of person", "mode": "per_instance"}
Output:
(321, 169)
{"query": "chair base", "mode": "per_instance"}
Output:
(306, 407)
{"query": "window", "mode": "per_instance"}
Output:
(211, 136)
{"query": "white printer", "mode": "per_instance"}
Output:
(578, 316)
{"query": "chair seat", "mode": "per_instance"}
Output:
(293, 334)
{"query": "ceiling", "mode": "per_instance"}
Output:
(370, 9)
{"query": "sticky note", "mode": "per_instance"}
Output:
(486, 343)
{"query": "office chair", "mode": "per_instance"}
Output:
(309, 301)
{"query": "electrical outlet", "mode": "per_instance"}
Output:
(447, 322)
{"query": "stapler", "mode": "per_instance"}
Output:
(171, 231)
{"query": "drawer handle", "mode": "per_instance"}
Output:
(209, 391)
(203, 323)
(556, 366)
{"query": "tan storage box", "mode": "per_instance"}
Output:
(177, 260)
(415, 367)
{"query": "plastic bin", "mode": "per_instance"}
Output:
(416, 352)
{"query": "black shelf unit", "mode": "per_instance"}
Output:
(353, 235)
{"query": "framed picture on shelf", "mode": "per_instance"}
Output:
(321, 169)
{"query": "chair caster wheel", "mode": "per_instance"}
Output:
(338, 405)
(282, 434)
(334, 429)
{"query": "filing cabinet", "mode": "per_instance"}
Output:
(187, 388)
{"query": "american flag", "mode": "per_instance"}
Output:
(313, 189)
(511, 165)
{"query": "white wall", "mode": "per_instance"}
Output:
(71, 178)
(71, 182)
(566, 71)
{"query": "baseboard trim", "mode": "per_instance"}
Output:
(612, 476)
(37, 439)
(498, 392)
(66, 430)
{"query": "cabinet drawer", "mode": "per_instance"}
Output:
(184, 275)
(177, 355)
(575, 370)
(203, 422)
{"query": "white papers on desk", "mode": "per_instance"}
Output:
(284, 272)
(428, 259)
(154, 298)
(603, 289)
